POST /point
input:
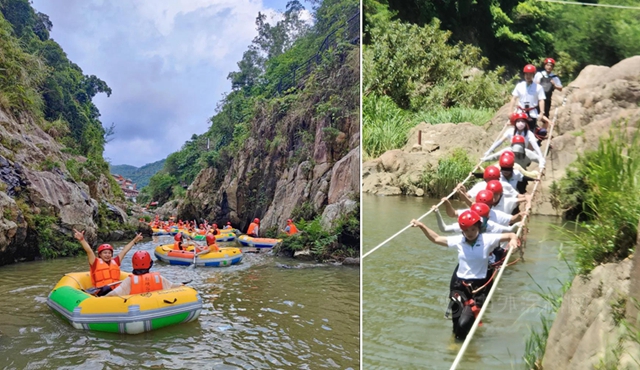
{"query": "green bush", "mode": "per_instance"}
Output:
(601, 190)
(384, 126)
(452, 169)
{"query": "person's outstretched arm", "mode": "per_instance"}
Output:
(430, 234)
(130, 245)
(87, 248)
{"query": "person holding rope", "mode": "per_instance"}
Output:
(522, 156)
(486, 197)
(471, 281)
(519, 121)
(530, 99)
(487, 225)
(511, 175)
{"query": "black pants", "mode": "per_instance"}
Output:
(547, 106)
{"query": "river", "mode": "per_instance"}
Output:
(406, 284)
(256, 315)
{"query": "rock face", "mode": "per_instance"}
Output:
(34, 182)
(588, 328)
(297, 160)
(596, 99)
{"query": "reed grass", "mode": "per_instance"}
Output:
(452, 169)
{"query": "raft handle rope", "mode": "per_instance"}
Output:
(440, 203)
(467, 340)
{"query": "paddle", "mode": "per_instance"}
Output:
(94, 290)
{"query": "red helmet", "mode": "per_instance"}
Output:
(256, 220)
(517, 116)
(141, 260)
(495, 186)
(481, 209)
(529, 68)
(491, 173)
(211, 239)
(506, 160)
(229, 223)
(517, 139)
(467, 219)
(105, 247)
(289, 221)
(178, 237)
(485, 196)
(550, 60)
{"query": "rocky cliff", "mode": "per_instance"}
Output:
(302, 154)
(598, 97)
(40, 202)
(596, 326)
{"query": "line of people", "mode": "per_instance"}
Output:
(485, 230)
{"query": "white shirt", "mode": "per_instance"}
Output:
(496, 216)
(538, 76)
(506, 205)
(529, 140)
(529, 95)
(125, 287)
(473, 259)
(516, 177)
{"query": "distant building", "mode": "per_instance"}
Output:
(127, 186)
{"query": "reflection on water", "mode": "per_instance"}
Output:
(405, 290)
(255, 316)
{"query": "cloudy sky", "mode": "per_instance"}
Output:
(166, 62)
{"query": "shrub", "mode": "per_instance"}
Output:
(452, 169)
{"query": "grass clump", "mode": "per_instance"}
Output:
(601, 190)
(384, 126)
(452, 169)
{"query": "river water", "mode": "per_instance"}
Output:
(256, 315)
(406, 284)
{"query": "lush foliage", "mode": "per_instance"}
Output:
(266, 67)
(515, 32)
(601, 190)
(452, 169)
(39, 78)
(140, 176)
(342, 241)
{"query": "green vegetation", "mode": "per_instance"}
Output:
(265, 90)
(434, 56)
(452, 169)
(536, 342)
(140, 176)
(600, 189)
(340, 242)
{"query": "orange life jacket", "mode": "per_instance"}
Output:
(104, 274)
(253, 229)
(292, 229)
(176, 246)
(215, 231)
(145, 283)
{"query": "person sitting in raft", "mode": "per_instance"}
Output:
(104, 270)
(474, 249)
(486, 197)
(227, 226)
(214, 229)
(179, 244)
(290, 229)
(210, 247)
(522, 156)
(519, 120)
(487, 225)
(141, 280)
(254, 228)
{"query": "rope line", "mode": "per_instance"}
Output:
(438, 205)
(467, 340)
(591, 4)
